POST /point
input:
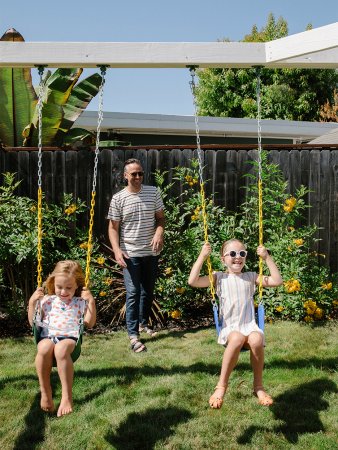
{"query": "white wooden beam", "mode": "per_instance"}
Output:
(317, 48)
(131, 54)
(308, 42)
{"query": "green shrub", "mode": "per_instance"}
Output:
(308, 292)
(62, 238)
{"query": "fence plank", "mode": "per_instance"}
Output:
(333, 255)
(314, 195)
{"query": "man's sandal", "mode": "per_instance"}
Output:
(148, 330)
(216, 400)
(136, 346)
(264, 399)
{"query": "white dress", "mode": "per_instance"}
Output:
(237, 311)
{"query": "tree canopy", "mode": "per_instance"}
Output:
(289, 94)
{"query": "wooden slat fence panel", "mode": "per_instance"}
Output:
(71, 171)
(333, 230)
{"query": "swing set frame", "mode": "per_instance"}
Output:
(316, 48)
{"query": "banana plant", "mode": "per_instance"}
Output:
(64, 99)
(17, 98)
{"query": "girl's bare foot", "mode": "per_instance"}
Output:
(66, 407)
(216, 400)
(264, 399)
(46, 402)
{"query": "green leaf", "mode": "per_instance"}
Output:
(17, 98)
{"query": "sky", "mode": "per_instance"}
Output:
(154, 91)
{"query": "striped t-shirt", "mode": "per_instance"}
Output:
(136, 214)
(237, 311)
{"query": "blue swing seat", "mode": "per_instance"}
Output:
(260, 318)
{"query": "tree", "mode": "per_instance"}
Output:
(289, 94)
(328, 111)
(65, 98)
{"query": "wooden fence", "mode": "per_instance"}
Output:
(71, 171)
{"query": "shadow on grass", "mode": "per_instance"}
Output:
(286, 408)
(143, 430)
(298, 410)
(35, 423)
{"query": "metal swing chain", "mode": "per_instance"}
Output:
(96, 159)
(260, 182)
(39, 206)
(202, 190)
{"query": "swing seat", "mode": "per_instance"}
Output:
(77, 349)
(259, 315)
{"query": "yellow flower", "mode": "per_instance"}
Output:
(327, 286)
(318, 314)
(194, 217)
(287, 208)
(168, 271)
(108, 281)
(289, 204)
(175, 314)
(102, 294)
(298, 242)
(180, 290)
(100, 260)
(160, 288)
(280, 308)
(292, 285)
(33, 208)
(84, 245)
(335, 303)
(291, 228)
(70, 210)
(310, 307)
(308, 319)
(188, 178)
(195, 180)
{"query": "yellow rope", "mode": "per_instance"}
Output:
(260, 232)
(206, 239)
(39, 247)
(90, 238)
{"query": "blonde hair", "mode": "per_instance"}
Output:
(70, 268)
(230, 241)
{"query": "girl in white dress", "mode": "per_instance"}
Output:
(235, 290)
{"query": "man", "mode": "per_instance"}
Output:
(136, 228)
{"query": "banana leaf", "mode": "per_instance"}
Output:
(63, 102)
(57, 89)
(77, 134)
(17, 98)
(77, 102)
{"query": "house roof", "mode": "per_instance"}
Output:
(329, 138)
(160, 124)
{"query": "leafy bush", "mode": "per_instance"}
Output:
(308, 292)
(62, 239)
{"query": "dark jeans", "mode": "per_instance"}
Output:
(139, 279)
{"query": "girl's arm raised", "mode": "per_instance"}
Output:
(90, 315)
(194, 279)
(275, 278)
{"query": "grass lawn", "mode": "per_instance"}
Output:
(159, 399)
